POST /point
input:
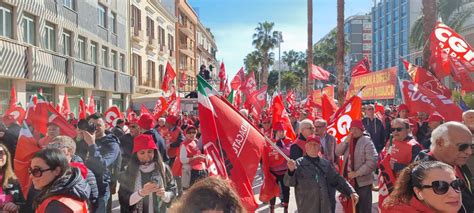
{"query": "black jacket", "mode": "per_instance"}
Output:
(126, 146)
(377, 133)
(71, 185)
(467, 194)
(90, 179)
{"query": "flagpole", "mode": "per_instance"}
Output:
(276, 148)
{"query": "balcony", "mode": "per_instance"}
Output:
(152, 44)
(187, 50)
(187, 30)
(138, 35)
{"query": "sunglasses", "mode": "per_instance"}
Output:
(38, 172)
(464, 146)
(399, 129)
(441, 187)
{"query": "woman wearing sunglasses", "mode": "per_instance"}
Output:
(425, 187)
(147, 184)
(192, 160)
(10, 193)
(61, 188)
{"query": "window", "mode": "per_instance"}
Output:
(161, 72)
(104, 57)
(367, 47)
(171, 44)
(94, 52)
(81, 48)
(29, 31)
(150, 28)
(102, 16)
(113, 22)
(161, 37)
(150, 74)
(5, 22)
(70, 4)
(136, 20)
(49, 37)
(122, 62)
(137, 67)
(114, 59)
(67, 43)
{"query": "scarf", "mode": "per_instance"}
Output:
(138, 185)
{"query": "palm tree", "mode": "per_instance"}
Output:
(453, 13)
(290, 58)
(340, 52)
(265, 39)
(429, 20)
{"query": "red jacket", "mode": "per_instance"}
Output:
(404, 152)
(192, 150)
(172, 142)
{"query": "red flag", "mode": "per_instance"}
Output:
(226, 88)
(160, 107)
(111, 116)
(130, 113)
(175, 107)
(13, 100)
(461, 72)
(91, 106)
(328, 107)
(241, 143)
(82, 109)
(279, 114)
(270, 188)
(25, 150)
(426, 79)
(170, 74)
(291, 99)
(250, 84)
(341, 120)
(319, 73)
(144, 110)
(43, 113)
(257, 99)
(238, 79)
(386, 175)
(237, 99)
(66, 109)
(379, 111)
(420, 99)
(361, 68)
(18, 114)
(445, 39)
(184, 79)
(222, 77)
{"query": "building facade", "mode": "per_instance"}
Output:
(152, 38)
(73, 47)
(358, 31)
(391, 27)
(206, 50)
(186, 46)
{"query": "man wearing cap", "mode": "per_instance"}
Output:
(311, 176)
(297, 148)
(374, 127)
(360, 161)
(174, 138)
(468, 120)
(146, 122)
(451, 143)
(433, 121)
(53, 131)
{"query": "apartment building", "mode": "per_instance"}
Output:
(358, 31)
(152, 38)
(206, 50)
(69, 46)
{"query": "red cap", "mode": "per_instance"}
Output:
(171, 119)
(313, 138)
(189, 128)
(403, 107)
(358, 124)
(145, 121)
(436, 117)
(279, 126)
(142, 142)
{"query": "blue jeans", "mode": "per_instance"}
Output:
(101, 205)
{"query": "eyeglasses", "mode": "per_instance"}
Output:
(399, 129)
(464, 146)
(312, 128)
(441, 187)
(37, 172)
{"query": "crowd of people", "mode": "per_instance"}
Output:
(158, 165)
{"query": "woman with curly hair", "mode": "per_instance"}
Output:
(425, 187)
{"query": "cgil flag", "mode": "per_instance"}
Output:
(238, 79)
(341, 120)
(170, 74)
(361, 68)
(112, 115)
(240, 143)
(426, 79)
(319, 73)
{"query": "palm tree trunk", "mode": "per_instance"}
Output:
(265, 69)
(429, 22)
(309, 55)
(340, 52)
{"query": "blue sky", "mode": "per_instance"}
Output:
(233, 23)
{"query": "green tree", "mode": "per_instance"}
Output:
(291, 58)
(272, 81)
(264, 40)
(289, 80)
(453, 13)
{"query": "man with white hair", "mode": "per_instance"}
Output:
(451, 143)
(297, 149)
(468, 120)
